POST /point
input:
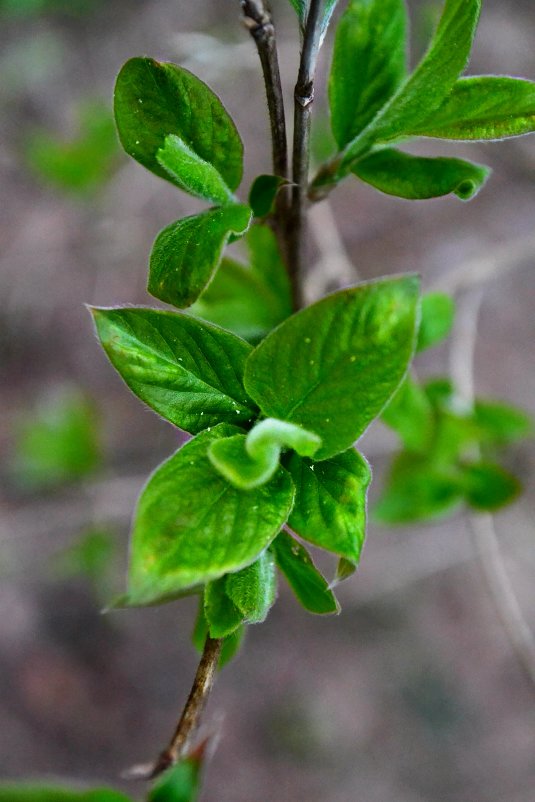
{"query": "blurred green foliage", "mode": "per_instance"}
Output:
(29, 8)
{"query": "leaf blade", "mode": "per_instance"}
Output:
(308, 585)
(190, 172)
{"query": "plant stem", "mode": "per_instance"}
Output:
(303, 99)
(189, 720)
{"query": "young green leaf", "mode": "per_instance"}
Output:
(248, 461)
(187, 253)
(429, 84)
(192, 527)
(32, 792)
(153, 100)
(221, 613)
(410, 414)
(330, 502)
(180, 783)
(418, 178)
(189, 372)
(499, 423)
(301, 8)
(231, 644)
(369, 64)
(488, 486)
(332, 367)
(249, 300)
(309, 586)
(328, 11)
(438, 313)
(191, 173)
(263, 193)
(254, 589)
(417, 490)
(482, 107)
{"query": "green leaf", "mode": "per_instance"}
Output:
(249, 300)
(248, 461)
(344, 570)
(33, 792)
(254, 589)
(419, 178)
(309, 586)
(191, 526)
(222, 615)
(500, 423)
(332, 367)
(369, 63)
(263, 192)
(417, 490)
(430, 83)
(438, 314)
(488, 486)
(191, 173)
(231, 644)
(330, 502)
(410, 414)
(180, 783)
(301, 8)
(187, 371)
(482, 107)
(153, 100)
(328, 11)
(187, 253)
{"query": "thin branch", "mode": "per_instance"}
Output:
(303, 99)
(189, 720)
(482, 525)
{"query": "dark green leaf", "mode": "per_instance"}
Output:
(305, 580)
(332, 367)
(330, 502)
(231, 644)
(253, 589)
(180, 783)
(369, 63)
(221, 613)
(428, 85)
(482, 107)
(410, 414)
(191, 526)
(263, 193)
(248, 461)
(249, 300)
(191, 173)
(153, 100)
(488, 486)
(344, 570)
(187, 253)
(500, 423)
(416, 490)
(43, 792)
(438, 313)
(418, 178)
(187, 371)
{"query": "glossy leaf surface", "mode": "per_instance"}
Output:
(330, 502)
(369, 64)
(154, 99)
(332, 367)
(309, 586)
(249, 300)
(191, 526)
(189, 372)
(191, 173)
(483, 107)
(419, 178)
(438, 314)
(187, 253)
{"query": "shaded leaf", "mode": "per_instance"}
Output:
(330, 502)
(369, 63)
(332, 367)
(222, 615)
(254, 589)
(483, 107)
(249, 300)
(488, 486)
(187, 371)
(191, 173)
(180, 783)
(419, 178)
(231, 644)
(263, 192)
(309, 586)
(410, 414)
(154, 99)
(191, 526)
(33, 792)
(186, 253)
(438, 313)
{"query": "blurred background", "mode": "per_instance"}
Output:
(414, 692)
